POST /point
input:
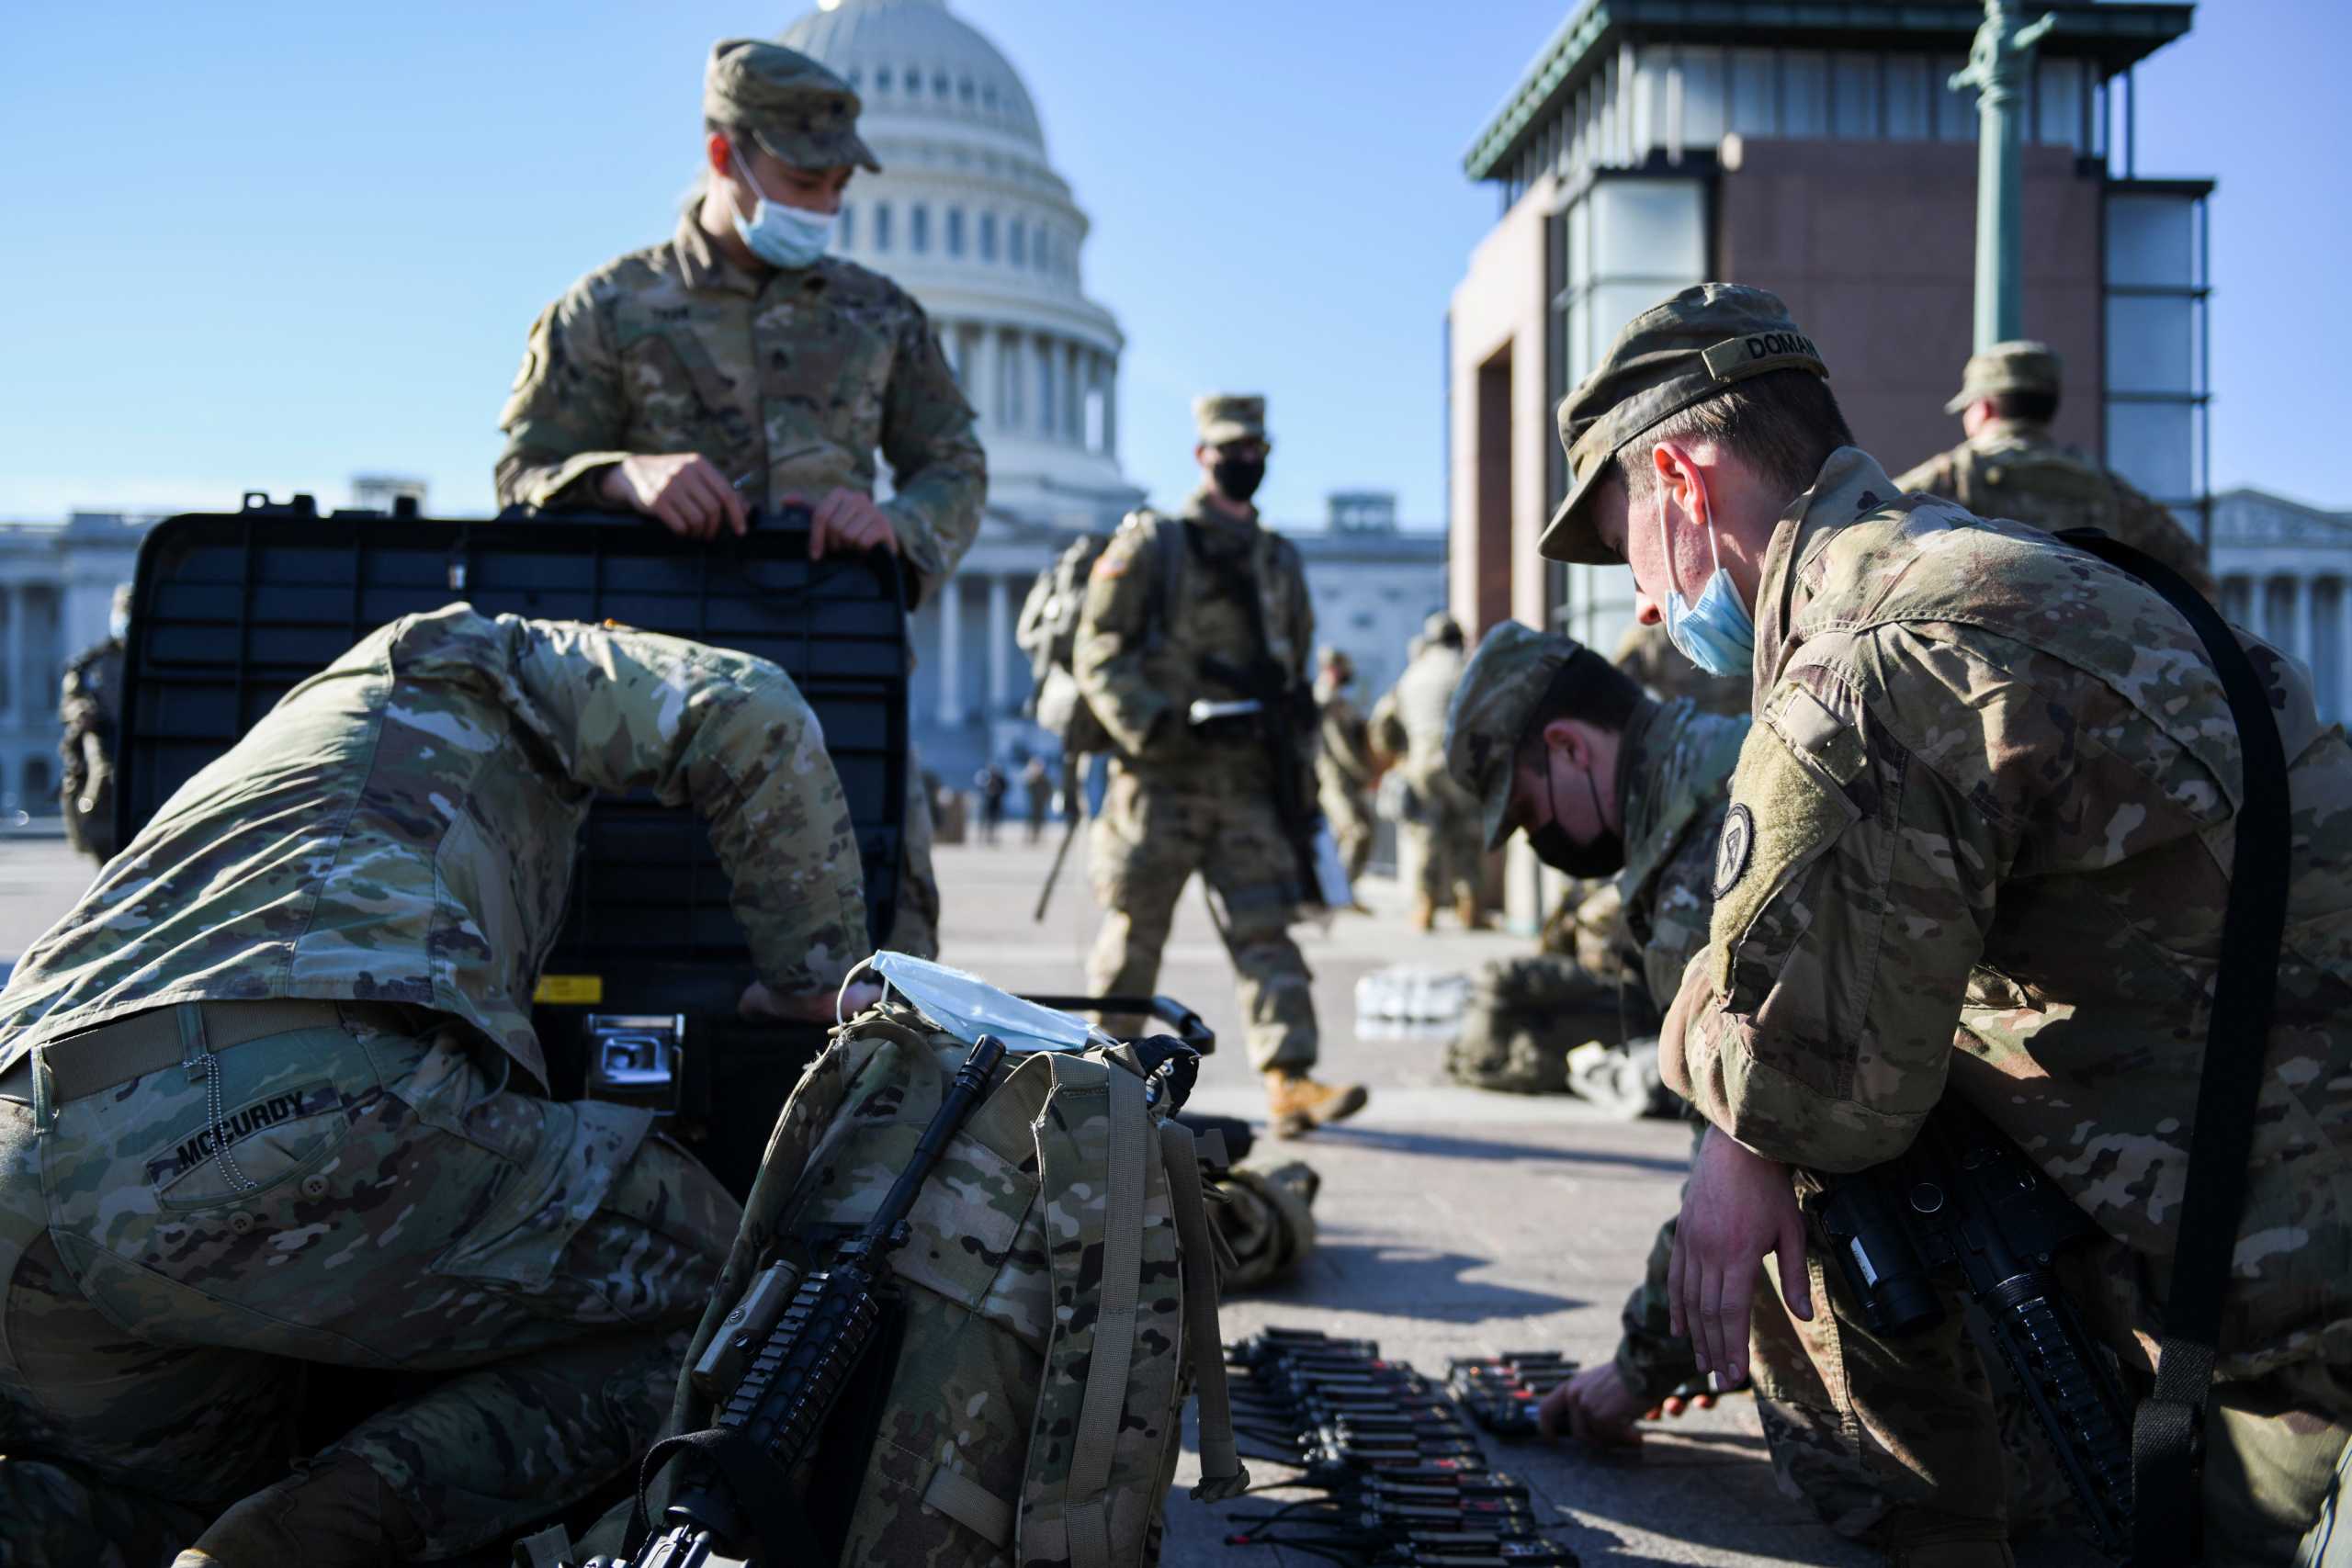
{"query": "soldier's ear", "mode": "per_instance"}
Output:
(720, 154)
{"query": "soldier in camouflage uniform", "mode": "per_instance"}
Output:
(89, 707)
(1186, 797)
(2011, 468)
(1345, 772)
(1534, 708)
(1670, 764)
(1979, 844)
(1409, 733)
(269, 1094)
(722, 372)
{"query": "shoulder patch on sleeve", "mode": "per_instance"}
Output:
(1816, 731)
(1118, 555)
(1732, 849)
(1789, 813)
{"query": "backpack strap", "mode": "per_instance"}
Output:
(1105, 1399)
(2167, 1431)
(1222, 1474)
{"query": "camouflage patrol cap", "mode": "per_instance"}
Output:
(1500, 686)
(2018, 366)
(1693, 347)
(1230, 416)
(787, 103)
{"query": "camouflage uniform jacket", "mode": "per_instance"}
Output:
(400, 829)
(1981, 832)
(1650, 656)
(1415, 708)
(1672, 772)
(1343, 762)
(789, 381)
(1140, 680)
(2013, 469)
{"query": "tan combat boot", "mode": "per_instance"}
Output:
(1424, 912)
(1474, 919)
(1299, 1105)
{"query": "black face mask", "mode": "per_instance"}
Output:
(1604, 856)
(1237, 478)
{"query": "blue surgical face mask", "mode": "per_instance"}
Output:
(780, 235)
(1717, 634)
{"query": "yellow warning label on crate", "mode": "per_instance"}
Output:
(569, 991)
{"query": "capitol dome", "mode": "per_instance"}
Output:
(971, 219)
(969, 216)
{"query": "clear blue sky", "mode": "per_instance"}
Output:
(267, 246)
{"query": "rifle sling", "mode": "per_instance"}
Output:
(2168, 1430)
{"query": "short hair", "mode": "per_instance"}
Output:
(2031, 408)
(1784, 423)
(1587, 687)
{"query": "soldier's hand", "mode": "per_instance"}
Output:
(1595, 1408)
(809, 1007)
(683, 492)
(1737, 1207)
(847, 521)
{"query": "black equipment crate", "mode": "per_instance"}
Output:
(230, 611)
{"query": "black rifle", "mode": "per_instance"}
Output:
(1963, 1196)
(740, 1507)
(1283, 710)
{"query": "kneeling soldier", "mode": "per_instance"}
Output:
(270, 1095)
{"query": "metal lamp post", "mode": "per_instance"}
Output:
(1999, 64)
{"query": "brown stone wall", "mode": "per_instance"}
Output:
(1874, 245)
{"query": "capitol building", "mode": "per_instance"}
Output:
(969, 216)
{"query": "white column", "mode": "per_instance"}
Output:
(2257, 605)
(1074, 395)
(21, 668)
(2306, 643)
(2343, 654)
(950, 653)
(987, 396)
(1110, 406)
(1000, 645)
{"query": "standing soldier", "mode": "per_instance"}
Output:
(2010, 466)
(1175, 607)
(1344, 769)
(1408, 731)
(89, 707)
(736, 367)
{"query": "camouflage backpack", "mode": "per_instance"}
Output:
(1524, 1017)
(1061, 1302)
(1047, 633)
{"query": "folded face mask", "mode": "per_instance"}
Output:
(967, 1006)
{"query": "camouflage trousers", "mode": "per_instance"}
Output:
(1451, 862)
(1911, 1441)
(1350, 814)
(914, 925)
(363, 1196)
(1149, 839)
